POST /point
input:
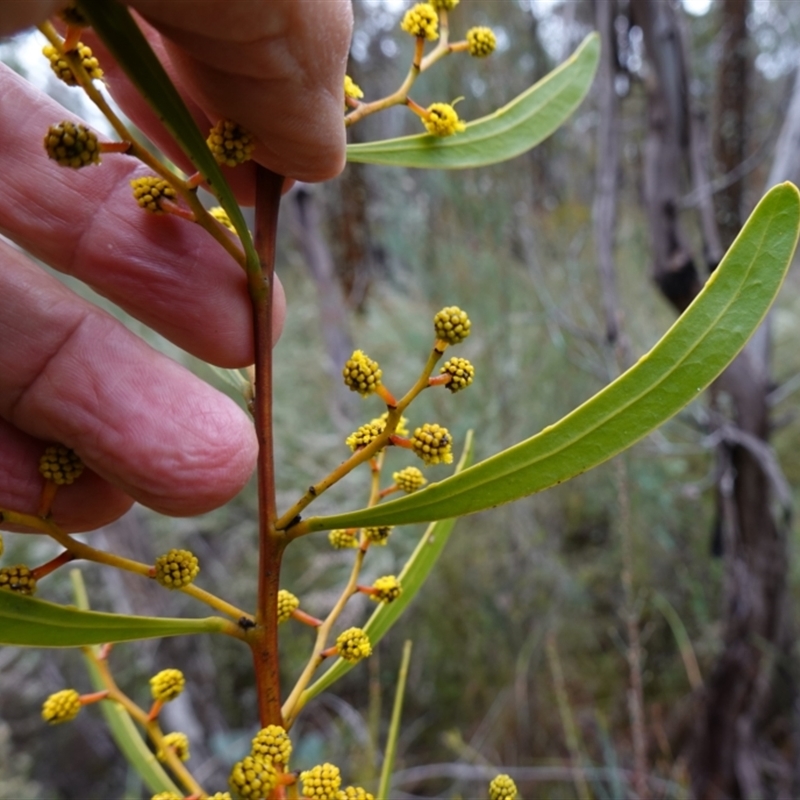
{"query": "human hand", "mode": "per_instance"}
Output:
(146, 428)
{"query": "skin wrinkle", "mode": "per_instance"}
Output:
(23, 362)
(18, 398)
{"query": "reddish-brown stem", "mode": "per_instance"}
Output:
(419, 49)
(386, 396)
(49, 491)
(421, 112)
(95, 697)
(264, 638)
(388, 490)
(115, 147)
(440, 380)
(52, 565)
(155, 710)
(306, 619)
(73, 37)
(178, 211)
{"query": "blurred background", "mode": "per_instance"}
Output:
(630, 633)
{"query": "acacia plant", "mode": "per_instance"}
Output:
(690, 355)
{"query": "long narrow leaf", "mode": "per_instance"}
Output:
(695, 350)
(120, 723)
(412, 577)
(509, 131)
(28, 622)
(394, 725)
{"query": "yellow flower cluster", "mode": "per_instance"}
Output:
(361, 374)
(17, 579)
(253, 778)
(179, 742)
(364, 435)
(461, 373)
(230, 143)
(442, 120)
(167, 685)
(321, 782)
(386, 589)
(150, 190)
(353, 645)
(378, 535)
(502, 788)
(433, 444)
(409, 479)
(342, 539)
(352, 89)
(176, 569)
(221, 216)
(72, 145)
(287, 602)
(272, 744)
(60, 465)
(61, 66)
(400, 429)
(481, 41)
(421, 21)
(354, 793)
(452, 325)
(62, 706)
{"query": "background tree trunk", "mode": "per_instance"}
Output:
(727, 748)
(730, 131)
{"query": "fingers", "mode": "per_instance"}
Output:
(276, 68)
(69, 373)
(166, 271)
